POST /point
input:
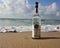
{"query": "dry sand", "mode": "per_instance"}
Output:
(24, 40)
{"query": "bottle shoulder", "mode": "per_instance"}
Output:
(36, 17)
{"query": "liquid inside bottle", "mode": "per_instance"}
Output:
(36, 26)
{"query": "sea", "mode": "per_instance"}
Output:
(26, 24)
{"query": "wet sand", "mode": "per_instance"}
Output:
(24, 40)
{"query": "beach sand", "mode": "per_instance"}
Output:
(24, 40)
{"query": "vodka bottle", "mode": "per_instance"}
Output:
(36, 24)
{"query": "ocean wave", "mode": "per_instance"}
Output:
(44, 28)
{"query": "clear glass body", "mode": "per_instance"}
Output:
(36, 26)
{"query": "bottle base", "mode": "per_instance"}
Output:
(36, 38)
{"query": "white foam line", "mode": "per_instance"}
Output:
(44, 28)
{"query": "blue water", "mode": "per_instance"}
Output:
(28, 22)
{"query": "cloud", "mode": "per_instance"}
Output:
(49, 12)
(58, 14)
(22, 9)
(5, 9)
(14, 8)
(51, 9)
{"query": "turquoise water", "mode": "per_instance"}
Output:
(26, 22)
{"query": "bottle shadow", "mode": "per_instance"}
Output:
(44, 38)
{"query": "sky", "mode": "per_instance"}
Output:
(48, 9)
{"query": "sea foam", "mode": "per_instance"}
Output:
(44, 28)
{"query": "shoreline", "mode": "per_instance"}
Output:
(44, 28)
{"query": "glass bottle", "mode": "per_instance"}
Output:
(36, 25)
